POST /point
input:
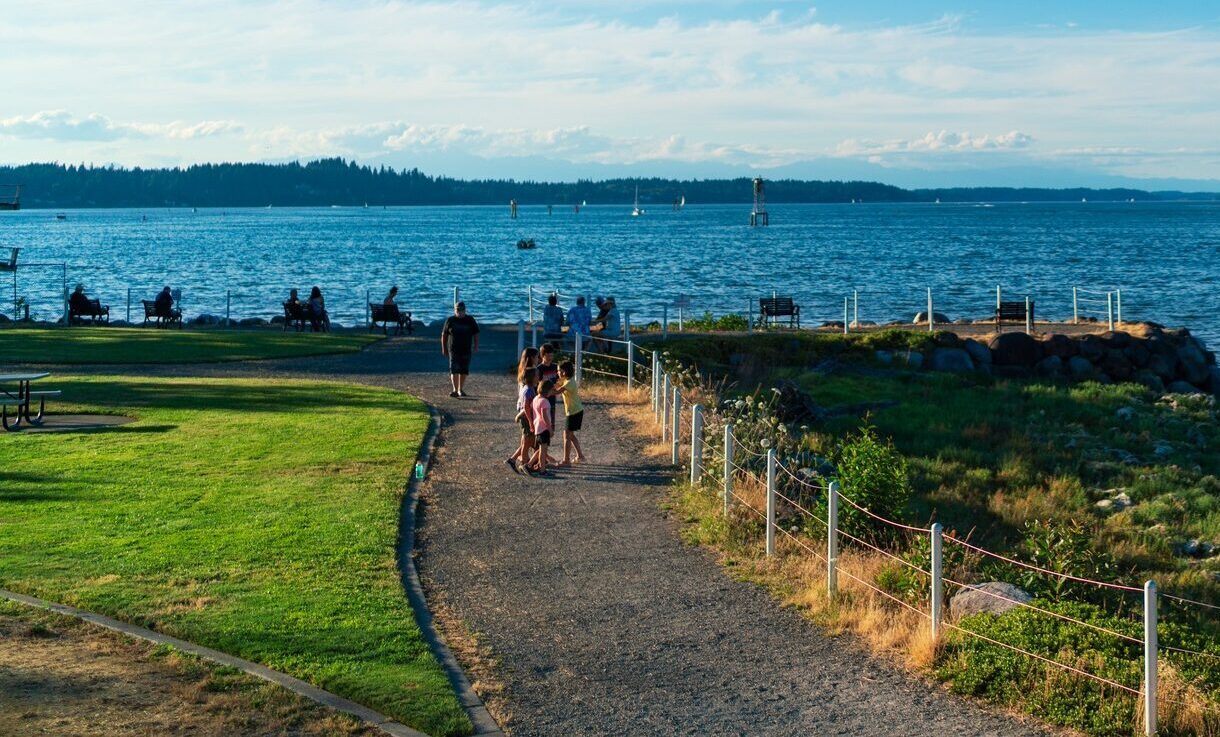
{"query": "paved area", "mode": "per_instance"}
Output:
(602, 620)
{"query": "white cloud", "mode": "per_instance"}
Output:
(61, 125)
(937, 143)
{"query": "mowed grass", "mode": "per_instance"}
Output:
(256, 517)
(93, 345)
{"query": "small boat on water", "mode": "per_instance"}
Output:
(635, 210)
(526, 244)
(60, 216)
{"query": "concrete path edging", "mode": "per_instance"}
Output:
(484, 724)
(296, 685)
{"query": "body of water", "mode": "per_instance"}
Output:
(1165, 257)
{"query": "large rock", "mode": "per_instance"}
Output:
(1116, 365)
(1092, 348)
(1060, 345)
(1137, 353)
(986, 597)
(251, 322)
(979, 353)
(1150, 380)
(1192, 363)
(1115, 339)
(953, 360)
(1214, 381)
(1015, 349)
(1182, 387)
(1162, 365)
(912, 359)
(1051, 367)
(205, 319)
(1080, 368)
(946, 339)
(921, 318)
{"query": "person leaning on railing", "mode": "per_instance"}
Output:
(552, 319)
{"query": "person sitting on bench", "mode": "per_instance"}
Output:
(319, 318)
(164, 304)
(79, 305)
(391, 299)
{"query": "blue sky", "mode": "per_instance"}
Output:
(915, 92)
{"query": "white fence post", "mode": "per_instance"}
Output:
(997, 296)
(1150, 659)
(520, 338)
(1075, 306)
(930, 320)
(1110, 309)
(696, 444)
(832, 540)
(627, 326)
(938, 584)
(855, 307)
(728, 467)
(656, 383)
(665, 408)
(664, 322)
(771, 502)
(630, 365)
(675, 427)
(529, 298)
(1118, 299)
(845, 323)
(1029, 321)
(580, 358)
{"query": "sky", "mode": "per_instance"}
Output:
(916, 93)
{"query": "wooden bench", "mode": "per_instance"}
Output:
(1013, 312)
(294, 315)
(387, 315)
(151, 313)
(94, 310)
(770, 309)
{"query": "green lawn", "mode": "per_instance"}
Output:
(249, 516)
(93, 345)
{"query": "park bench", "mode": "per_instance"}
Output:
(294, 315)
(1014, 312)
(94, 310)
(151, 314)
(770, 309)
(387, 315)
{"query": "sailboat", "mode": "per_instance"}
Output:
(636, 211)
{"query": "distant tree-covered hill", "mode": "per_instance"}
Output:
(337, 182)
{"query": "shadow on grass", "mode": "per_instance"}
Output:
(25, 486)
(236, 396)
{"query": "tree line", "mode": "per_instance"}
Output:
(334, 181)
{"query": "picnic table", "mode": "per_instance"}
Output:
(21, 398)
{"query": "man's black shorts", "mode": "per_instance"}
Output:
(459, 363)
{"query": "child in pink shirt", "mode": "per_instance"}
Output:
(542, 423)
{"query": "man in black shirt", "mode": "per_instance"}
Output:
(459, 340)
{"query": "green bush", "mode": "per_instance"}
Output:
(709, 322)
(873, 474)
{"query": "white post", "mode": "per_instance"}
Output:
(520, 338)
(855, 307)
(529, 298)
(630, 365)
(1118, 299)
(664, 322)
(728, 467)
(1029, 322)
(930, 320)
(1150, 659)
(1075, 307)
(997, 296)
(696, 444)
(845, 315)
(665, 397)
(771, 502)
(680, 326)
(627, 326)
(938, 584)
(580, 358)
(67, 322)
(675, 427)
(656, 383)
(1110, 309)
(832, 540)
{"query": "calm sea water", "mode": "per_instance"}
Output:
(1165, 257)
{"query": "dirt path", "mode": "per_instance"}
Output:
(602, 621)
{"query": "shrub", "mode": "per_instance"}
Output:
(727, 322)
(873, 474)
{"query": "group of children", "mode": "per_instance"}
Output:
(541, 383)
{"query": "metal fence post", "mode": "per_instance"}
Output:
(627, 326)
(1029, 322)
(770, 502)
(529, 298)
(728, 467)
(580, 358)
(855, 307)
(1118, 306)
(656, 383)
(630, 365)
(665, 407)
(1150, 659)
(938, 584)
(1110, 309)
(520, 338)
(1075, 307)
(696, 444)
(832, 540)
(997, 296)
(930, 320)
(675, 427)
(845, 316)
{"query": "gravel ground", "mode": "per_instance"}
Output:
(602, 620)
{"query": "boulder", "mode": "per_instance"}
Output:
(277, 320)
(1059, 345)
(979, 353)
(1162, 365)
(1214, 381)
(1137, 353)
(984, 597)
(912, 359)
(1115, 339)
(251, 322)
(1126, 414)
(1092, 348)
(205, 319)
(1015, 349)
(884, 357)
(1051, 367)
(1182, 387)
(946, 339)
(921, 318)
(1192, 364)
(1080, 368)
(1116, 365)
(1150, 380)
(953, 360)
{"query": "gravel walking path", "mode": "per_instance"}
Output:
(602, 620)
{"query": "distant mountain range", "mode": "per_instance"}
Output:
(338, 182)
